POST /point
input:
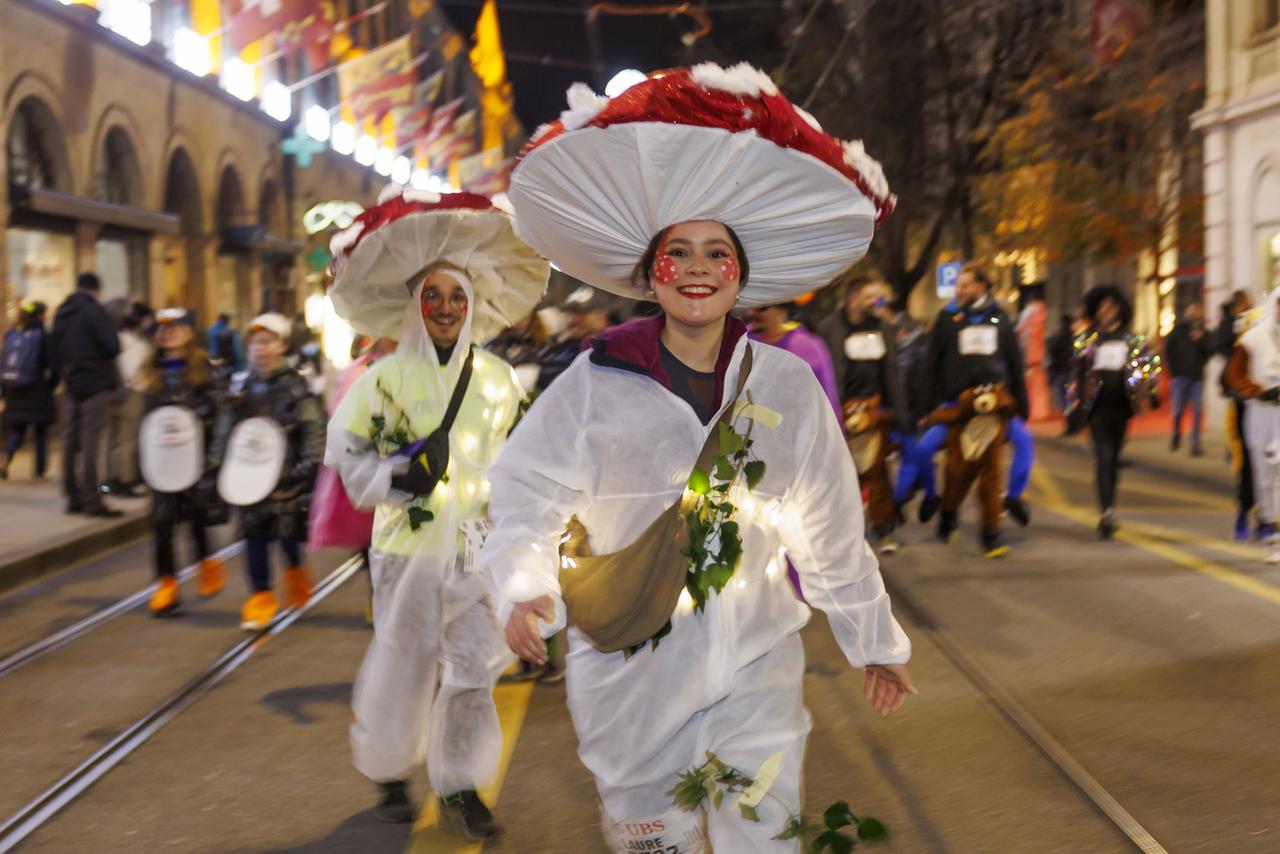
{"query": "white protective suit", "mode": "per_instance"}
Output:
(1261, 418)
(615, 448)
(433, 621)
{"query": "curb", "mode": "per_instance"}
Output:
(48, 559)
(1224, 488)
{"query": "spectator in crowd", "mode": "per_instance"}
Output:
(125, 414)
(27, 380)
(85, 346)
(1235, 312)
(226, 347)
(1058, 352)
(1186, 351)
(587, 313)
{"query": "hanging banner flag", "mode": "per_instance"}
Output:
(479, 166)
(372, 85)
(298, 24)
(426, 92)
(411, 124)
(441, 123)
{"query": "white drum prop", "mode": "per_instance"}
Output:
(171, 449)
(254, 461)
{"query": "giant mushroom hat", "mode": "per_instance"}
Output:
(379, 260)
(704, 143)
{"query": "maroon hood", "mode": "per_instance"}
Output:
(633, 346)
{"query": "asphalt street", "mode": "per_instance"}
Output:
(1153, 661)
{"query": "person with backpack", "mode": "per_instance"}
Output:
(85, 346)
(27, 383)
(226, 348)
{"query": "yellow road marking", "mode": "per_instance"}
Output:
(1131, 533)
(1132, 486)
(512, 700)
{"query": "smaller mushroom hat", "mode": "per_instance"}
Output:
(379, 260)
(591, 190)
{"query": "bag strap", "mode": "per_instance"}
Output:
(459, 392)
(712, 445)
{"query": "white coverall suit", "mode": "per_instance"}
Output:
(616, 448)
(433, 622)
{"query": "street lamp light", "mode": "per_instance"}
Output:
(384, 161)
(191, 52)
(277, 100)
(344, 138)
(316, 123)
(366, 150)
(624, 80)
(237, 78)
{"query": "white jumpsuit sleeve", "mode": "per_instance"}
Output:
(822, 528)
(366, 476)
(536, 485)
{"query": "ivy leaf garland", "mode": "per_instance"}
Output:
(387, 438)
(715, 540)
(713, 780)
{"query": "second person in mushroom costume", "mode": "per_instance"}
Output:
(413, 438)
(702, 189)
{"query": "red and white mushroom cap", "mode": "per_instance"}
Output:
(703, 143)
(380, 258)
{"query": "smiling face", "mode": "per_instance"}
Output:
(696, 273)
(444, 307)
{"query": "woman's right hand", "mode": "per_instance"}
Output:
(523, 635)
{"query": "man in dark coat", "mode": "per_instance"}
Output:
(1186, 351)
(85, 346)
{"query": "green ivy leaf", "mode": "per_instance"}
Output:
(754, 472)
(718, 797)
(795, 829)
(833, 841)
(699, 482)
(871, 829)
(725, 470)
(730, 442)
(689, 792)
(838, 815)
(748, 812)
(419, 516)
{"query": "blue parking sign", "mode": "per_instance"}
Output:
(948, 274)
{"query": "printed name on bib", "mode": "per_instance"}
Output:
(979, 340)
(1111, 356)
(864, 346)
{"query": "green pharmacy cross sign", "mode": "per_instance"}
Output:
(319, 258)
(302, 147)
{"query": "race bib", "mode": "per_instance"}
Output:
(1111, 356)
(864, 346)
(979, 340)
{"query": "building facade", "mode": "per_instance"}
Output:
(175, 192)
(1241, 126)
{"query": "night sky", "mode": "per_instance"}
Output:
(556, 30)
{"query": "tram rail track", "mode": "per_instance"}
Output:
(1090, 789)
(32, 652)
(76, 782)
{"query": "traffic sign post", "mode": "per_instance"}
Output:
(947, 276)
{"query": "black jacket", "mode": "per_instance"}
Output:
(85, 346)
(34, 404)
(1185, 356)
(864, 378)
(948, 372)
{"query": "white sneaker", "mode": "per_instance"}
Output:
(888, 546)
(1273, 553)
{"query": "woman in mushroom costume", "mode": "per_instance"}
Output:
(412, 439)
(700, 189)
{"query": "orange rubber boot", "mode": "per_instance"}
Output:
(258, 611)
(164, 602)
(213, 576)
(297, 585)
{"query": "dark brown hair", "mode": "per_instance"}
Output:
(640, 274)
(974, 269)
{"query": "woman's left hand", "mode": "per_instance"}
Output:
(887, 686)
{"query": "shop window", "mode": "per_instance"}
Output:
(118, 174)
(41, 265)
